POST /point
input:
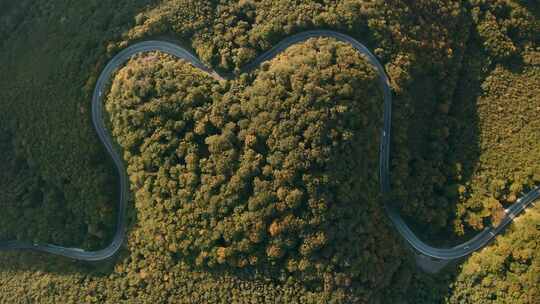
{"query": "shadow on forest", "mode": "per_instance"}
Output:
(461, 159)
(24, 261)
(89, 46)
(464, 150)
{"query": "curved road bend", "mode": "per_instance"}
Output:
(103, 81)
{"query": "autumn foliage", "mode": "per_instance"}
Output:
(278, 167)
(263, 189)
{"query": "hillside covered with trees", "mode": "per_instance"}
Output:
(264, 189)
(277, 168)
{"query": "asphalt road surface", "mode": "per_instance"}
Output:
(103, 82)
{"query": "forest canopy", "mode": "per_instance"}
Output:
(275, 168)
(280, 209)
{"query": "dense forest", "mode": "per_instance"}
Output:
(263, 189)
(277, 168)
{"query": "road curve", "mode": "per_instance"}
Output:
(117, 61)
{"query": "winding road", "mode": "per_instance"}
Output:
(445, 254)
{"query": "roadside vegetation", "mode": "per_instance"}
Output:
(26, 195)
(280, 209)
(493, 133)
(508, 271)
(278, 168)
